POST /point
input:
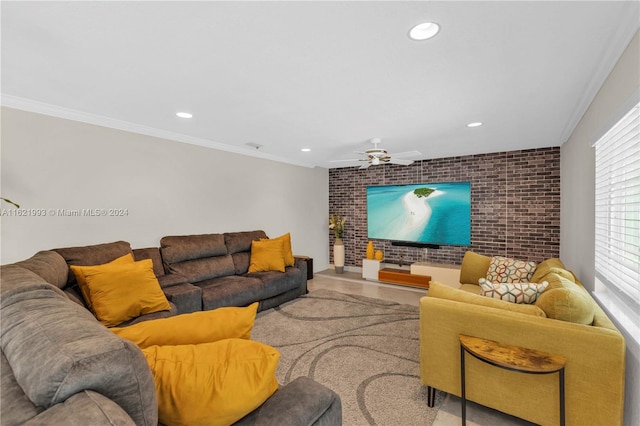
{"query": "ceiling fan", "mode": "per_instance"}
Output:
(376, 156)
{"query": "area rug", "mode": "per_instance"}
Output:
(365, 349)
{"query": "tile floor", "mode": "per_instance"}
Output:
(449, 413)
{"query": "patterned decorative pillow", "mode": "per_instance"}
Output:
(506, 270)
(512, 292)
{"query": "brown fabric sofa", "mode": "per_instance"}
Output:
(59, 365)
(198, 272)
(565, 321)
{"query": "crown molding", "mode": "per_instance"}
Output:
(30, 105)
(618, 44)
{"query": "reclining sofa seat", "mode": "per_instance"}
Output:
(219, 263)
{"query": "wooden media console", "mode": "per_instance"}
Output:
(404, 277)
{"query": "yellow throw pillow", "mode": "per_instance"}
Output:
(122, 292)
(212, 383)
(267, 255)
(78, 271)
(567, 304)
(193, 328)
(565, 300)
(287, 253)
(474, 266)
(545, 267)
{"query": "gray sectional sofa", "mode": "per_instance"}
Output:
(59, 365)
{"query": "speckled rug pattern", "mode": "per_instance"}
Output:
(366, 350)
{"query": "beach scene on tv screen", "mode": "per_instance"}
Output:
(438, 213)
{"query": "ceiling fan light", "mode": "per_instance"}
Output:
(375, 161)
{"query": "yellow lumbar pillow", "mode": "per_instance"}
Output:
(287, 253)
(267, 255)
(212, 383)
(193, 328)
(123, 291)
(78, 271)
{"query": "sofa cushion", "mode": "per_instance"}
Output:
(267, 255)
(120, 292)
(567, 301)
(193, 328)
(212, 383)
(175, 249)
(443, 291)
(152, 253)
(277, 282)
(232, 290)
(544, 268)
(49, 265)
(474, 266)
(97, 254)
(17, 408)
(512, 292)
(238, 242)
(197, 270)
(83, 408)
(507, 270)
(56, 348)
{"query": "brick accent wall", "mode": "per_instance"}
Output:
(515, 204)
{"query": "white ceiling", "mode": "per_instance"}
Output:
(321, 75)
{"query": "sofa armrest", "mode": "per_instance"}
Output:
(594, 370)
(170, 280)
(302, 402)
(84, 408)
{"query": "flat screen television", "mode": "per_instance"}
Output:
(425, 214)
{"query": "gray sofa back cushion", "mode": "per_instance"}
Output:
(57, 349)
(177, 249)
(49, 265)
(237, 242)
(204, 269)
(152, 253)
(239, 246)
(97, 254)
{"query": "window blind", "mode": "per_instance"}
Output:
(617, 208)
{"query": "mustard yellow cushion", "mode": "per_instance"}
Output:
(474, 266)
(123, 291)
(212, 383)
(566, 301)
(287, 253)
(267, 255)
(442, 291)
(544, 268)
(193, 328)
(82, 282)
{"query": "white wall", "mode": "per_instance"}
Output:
(168, 188)
(577, 188)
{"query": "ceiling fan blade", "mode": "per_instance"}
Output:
(406, 154)
(399, 161)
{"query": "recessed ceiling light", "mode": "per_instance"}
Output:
(424, 31)
(184, 114)
(305, 149)
(474, 124)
